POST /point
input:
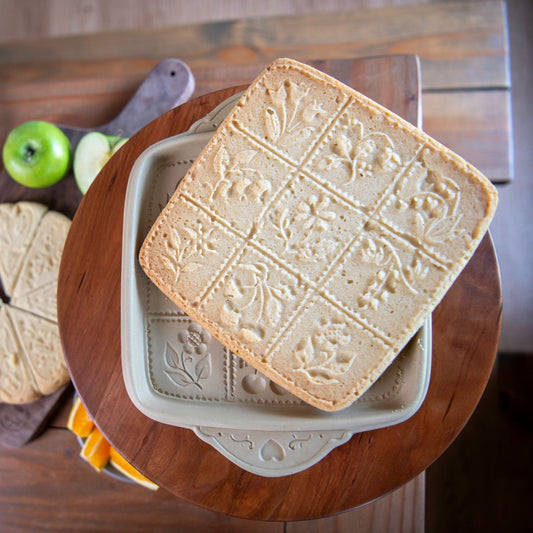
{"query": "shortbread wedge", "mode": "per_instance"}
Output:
(41, 345)
(36, 288)
(18, 224)
(315, 233)
(31, 357)
(16, 381)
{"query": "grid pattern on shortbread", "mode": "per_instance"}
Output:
(303, 171)
(316, 228)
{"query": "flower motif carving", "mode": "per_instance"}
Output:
(291, 113)
(12, 229)
(435, 206)
(238, 179)
(325, 355)
(302, 232)
(313, 213)
(193, 364)
(390, 274)
(184, 251)
(44, 260)
(251, 301)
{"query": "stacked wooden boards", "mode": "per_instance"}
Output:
(462, 46)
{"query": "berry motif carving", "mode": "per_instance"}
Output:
(434, 205)
(390, 274)
(237, 178)
(360, 152)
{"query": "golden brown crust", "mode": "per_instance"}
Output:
(315, 232)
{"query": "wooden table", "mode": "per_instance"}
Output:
(85, 81)
(463, 49)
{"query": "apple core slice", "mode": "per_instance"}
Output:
(92, 153)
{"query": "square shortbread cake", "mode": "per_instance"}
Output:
(315, 232)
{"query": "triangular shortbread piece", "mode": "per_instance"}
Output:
(16, 382)
(40, 341)
(36, 287)
(42, 301)
(18, 224)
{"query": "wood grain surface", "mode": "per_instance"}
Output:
(462, 47)
(444, 30)
(466, 329)
(45, 485)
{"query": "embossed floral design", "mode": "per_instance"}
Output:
(238, 179)
(14, 379)
(290, 116)
(43, 261)
(193, 363)
(312, 219)
(185, 254)
(360, 152)
(251, 300)
(392, 272)
(313, 213)
(435, 206)
(323, 357)
(13, 229)
(194, 339)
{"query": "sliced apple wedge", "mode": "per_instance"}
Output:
(92, 153)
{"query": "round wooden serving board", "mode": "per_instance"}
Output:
(466, 328)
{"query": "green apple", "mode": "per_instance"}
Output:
(36, 154)
(92, 153)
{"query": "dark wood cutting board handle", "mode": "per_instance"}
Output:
(169, 84)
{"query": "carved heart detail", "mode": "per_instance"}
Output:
(271, 451)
